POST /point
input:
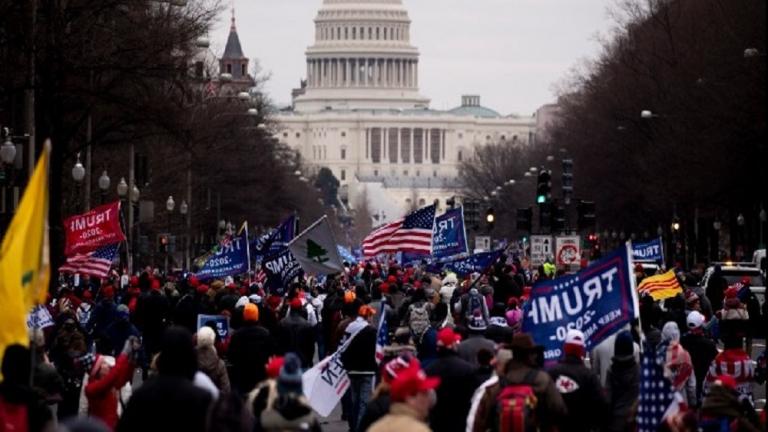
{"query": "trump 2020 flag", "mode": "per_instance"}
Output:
(649, 251)
(276, 240)
(599, 301)
(229, 258)
(281, 270)
(448, 235)
(475, 263)
(316, 250)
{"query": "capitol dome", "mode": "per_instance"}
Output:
(362, 58)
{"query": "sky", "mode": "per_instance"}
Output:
(513, 53)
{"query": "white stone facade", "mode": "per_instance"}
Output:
(362, 116)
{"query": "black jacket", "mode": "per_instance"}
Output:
(360, 355)
(623, 388)
(581, 390)
(295, 334)
(702, 350)
(166, 403)
(249, 350)
(377, 408)
(458, 380)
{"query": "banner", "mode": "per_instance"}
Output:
(275, 240)
(229, 258)
(281, 270)
(39, 318)
(474, 263)
(449, 237)
(91, 230)
(650, 251)
(346, 255)
(598, 300)
(316, 250)
(221, 322)
(567, 250)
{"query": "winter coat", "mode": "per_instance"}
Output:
(14, 395)
(716, 286)
(702, 351)
(734, 362)
(581, 392)
(550, 408)
(601, 357)
(377, 408)
(469, 348)
(248, 352)
(118, 332)
(289, 413)
(722, 407)
(213, 366)
(622, 389)
(295, 334)
(103, 393)
(499, 331)
(458, 382)
(360, 355)
(166, 403)
(151, 316)
(401, 418)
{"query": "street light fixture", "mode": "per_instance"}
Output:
(135, 194)
(550, 158)
(717, 224)
(122, 188)
(78, 171)
(527, 174)
(104, 182)
(533, 169)
(225, 77)
(253, 112)
(8, 150)
(170, 204)
(297, 173)
(184, 208)
(203, 42)
(244, 96)
(740, 220)
(752, 53)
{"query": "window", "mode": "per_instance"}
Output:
(354, 33)
(434, 173)
(376, 145)
(503, 137)
(229, 68)
(343, 175)
(343, 153)
(375, 173)
(242, 70)
(418, 146)
(459, 156)
(393, 133)
(405, 173)
(298, 135)
(422, 202)
(487, 137)
(434, 145)
(370, 33)
(514, 138)
(385, 33)
(418, 173)
(346, 32)
(405, 145)
(285, 134)
(378, 34)
(343, 134)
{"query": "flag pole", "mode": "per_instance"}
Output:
(248, 251)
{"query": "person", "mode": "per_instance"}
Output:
(459, 382)
(523, 370)
(380, 402)
(289, 411)
(723, 411)
(602, 355)
(732, 361)
(678, 367)
(412, 395)
(105, 380)
(716, 286)
(476, 341)
(248, 352)
(359, 359)
(169, 400)
(208, 360)
(21, 408)
(502, 357)
(296, 334)
(120, 329)
(499, 330)
(701, 348)
(579, 386)
(622, 384)
(752, 305)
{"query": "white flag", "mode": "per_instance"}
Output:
(315, 249)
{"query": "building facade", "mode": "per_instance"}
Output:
(360, 113)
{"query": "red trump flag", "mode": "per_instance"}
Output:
(91, 230)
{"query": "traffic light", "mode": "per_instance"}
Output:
(471, 214)
(490, 218)
(567, 180)
(585, 211)
(594, 245)
(558, 219)
(545, 215)
(162, 243)
(543, 186)
(524, 218)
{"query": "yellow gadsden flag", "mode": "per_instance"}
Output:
(661, 286)
(24, 258)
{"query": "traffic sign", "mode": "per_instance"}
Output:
(568, 250)
(541, 249)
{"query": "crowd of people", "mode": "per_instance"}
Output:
(128, 354)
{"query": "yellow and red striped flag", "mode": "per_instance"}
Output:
(661, 286)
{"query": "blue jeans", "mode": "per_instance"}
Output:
(360, 389)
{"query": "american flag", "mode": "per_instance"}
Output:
(412, 233)
(95, 263)
(382, 335)
(656, 393)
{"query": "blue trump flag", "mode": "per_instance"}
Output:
(346, 254)
(650, 251)
(474, 263)
(448, 235)
(281, 270)
(229, 258)
(275, 240)
(599, 300)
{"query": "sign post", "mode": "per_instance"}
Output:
(541, 249)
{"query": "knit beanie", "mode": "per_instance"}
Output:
(574, 344)
(624, 346)
(289, 380)
(670, 332)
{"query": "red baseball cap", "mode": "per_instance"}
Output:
(745, 280)
(410, 382)
(446, 337)
(296, 303)
(726, 381)
(392, 368)
(274, 365)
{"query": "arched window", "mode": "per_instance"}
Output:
(378, 33)
(338, 33)
(354, 33)
(362, 33)
(370, 33)
(385, 33)
(346, 32)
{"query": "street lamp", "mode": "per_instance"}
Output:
(533, 169)
(225, 77)
(135, 194)
(78, 171)
(122, 188)
(752, 52)
(104, 185)
(203, 42)
(740, 220)
(527, 174)
(183, 208)
(297, 173)
(550, 158)
(244, 96)
(647, 114)
(170, 204)
(8, 150)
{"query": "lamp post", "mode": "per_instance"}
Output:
(104, 185)
(122, 193)
(717, 225)
(763, 217)
(740, 222)
(133, 197)
(78, 174)
(184, 209)
(170, 204)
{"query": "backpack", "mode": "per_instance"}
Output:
(516, 406)
(418, 319)
(13, 417)
(475, 306)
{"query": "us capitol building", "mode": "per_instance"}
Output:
(360, 114)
